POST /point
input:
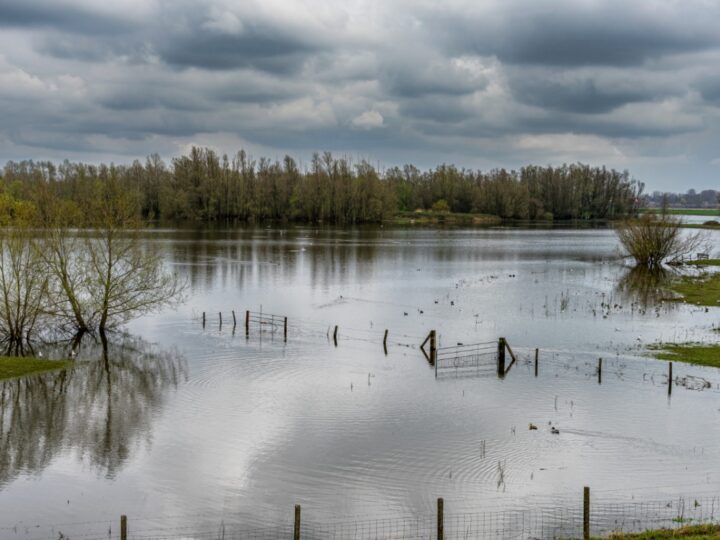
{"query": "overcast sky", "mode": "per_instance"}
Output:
(631, 84)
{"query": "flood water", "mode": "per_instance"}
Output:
(189, 427)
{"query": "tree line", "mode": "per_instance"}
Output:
(204, 186)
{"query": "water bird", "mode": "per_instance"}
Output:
(405, 313)
(452, 302)
(532, 426)
(554, 430)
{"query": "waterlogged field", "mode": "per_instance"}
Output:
(189, 427)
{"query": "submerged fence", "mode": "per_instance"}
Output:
(581, 519)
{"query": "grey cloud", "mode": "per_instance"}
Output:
(569, 33)
(60, 15)
(578, 94)
(264, 49)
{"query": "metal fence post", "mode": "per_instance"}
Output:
(586, 513)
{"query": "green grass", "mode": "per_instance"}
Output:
(690, 353)
(699, 290)
(683, 211)
(12, 366)
(692, 532)
(705, 262)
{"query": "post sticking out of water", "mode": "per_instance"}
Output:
(296, 528)
(285, 329)
(123, 527)
(433, 347)
(440, 519)
(537, 353)
(247, 323)
(670, 379)
(234, 319)
(501, 358)
(586, 513)
(220, 316)
(599, 370)
(335, 335)
(203, 319)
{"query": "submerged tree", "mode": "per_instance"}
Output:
(652, 240)
(103, 274)
(23, 288)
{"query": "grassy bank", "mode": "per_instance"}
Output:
(428, 217)
(692, 532)
(701, 290)
(12, 366)
(704, 262)
(684, 211)
(690, 353)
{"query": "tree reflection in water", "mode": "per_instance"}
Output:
(101, 408)
(646, 287)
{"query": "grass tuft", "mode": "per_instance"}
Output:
(693, 532)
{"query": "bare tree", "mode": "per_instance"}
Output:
(651, 240)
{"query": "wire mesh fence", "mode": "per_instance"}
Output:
(573, 520)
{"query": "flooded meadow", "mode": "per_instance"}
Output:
(181, 424)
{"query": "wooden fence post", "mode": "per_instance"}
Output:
(385, 341)
(501, 358)
(433, 346)
(537, 353)
(234, 319)
(599, 370)
(123, 528)
(440, 519)
(670, 379)
(220, 315)
(247, 323)
(335, 335)
(285, 329)
(203, 319)
(296, 528)
(586, 513)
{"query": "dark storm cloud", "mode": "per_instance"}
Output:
(578, 95)
(261, 48)
(571, 34)
(59, 15)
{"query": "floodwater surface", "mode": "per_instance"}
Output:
(184, 426)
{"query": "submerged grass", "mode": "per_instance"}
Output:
(690, 353)
(13, 366)
(692, 532)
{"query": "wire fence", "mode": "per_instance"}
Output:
(582, 519)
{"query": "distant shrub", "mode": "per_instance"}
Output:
(441, 205)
